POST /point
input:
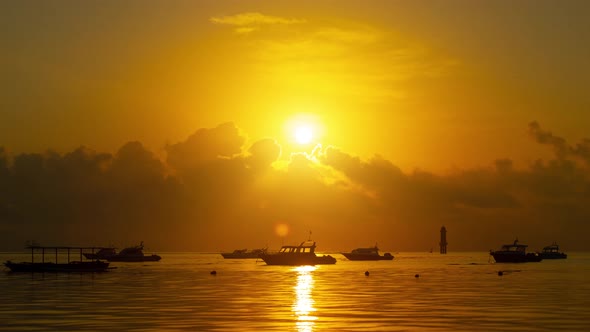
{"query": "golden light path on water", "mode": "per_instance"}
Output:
(454, 292)
(303, 306)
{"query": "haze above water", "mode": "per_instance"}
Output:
(454, 292)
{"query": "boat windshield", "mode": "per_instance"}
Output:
(516, 248)
(366, 251)
(297, 249)
(287, 249)
(306, 249)
(551, 249)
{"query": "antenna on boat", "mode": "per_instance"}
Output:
(309, 238)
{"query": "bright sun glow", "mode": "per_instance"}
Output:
(303, 129)
(303, 134)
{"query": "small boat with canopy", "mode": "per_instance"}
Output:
(65, 265)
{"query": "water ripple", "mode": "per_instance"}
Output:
(459, 292)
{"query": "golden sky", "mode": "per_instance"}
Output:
(410, 114)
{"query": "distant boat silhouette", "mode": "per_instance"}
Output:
(244, 253)
(514, 253)
(367, 254)
(552, 252)
(133, 254)
(102, 253)
(303, 254)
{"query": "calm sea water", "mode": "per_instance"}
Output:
(454, 292)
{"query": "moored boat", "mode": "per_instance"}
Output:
(133, 254)
(57, 266)
(102, 253)
(244, 253)
(514, 253)
(367, 254)
(303, 254)
(552, 252)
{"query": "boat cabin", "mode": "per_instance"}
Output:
(514, 253)
(305, 247)
(554, 248)
(515, 247)
(366, 251)
(552, 252)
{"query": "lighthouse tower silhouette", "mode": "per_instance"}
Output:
(443, 240)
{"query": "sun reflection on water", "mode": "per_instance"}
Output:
(303, 305)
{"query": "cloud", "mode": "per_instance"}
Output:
(245, 30)
(248, 22)
(562, 150)
(212, 192)
(348, 35)
(546, 137)
(134, 160)
(263, 153)
(223, 141)
(347, 59)
(582, 150)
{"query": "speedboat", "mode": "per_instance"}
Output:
(552, 252)
(303, 254)
(243, 253)
(133, 254)
(367, 254)
(514, 253)
(102, 253)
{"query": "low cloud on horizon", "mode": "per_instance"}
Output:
(212, 192)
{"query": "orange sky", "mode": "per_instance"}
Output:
(425, 112)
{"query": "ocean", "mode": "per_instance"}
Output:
(460, 291)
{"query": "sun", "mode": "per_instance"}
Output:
(302, 130)
(303, 134)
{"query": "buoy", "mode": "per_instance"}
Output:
(213, 272)
(367, 273)
(417, 275)
(500, 273)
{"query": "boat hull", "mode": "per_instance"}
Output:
(96, 256)
(229, 255)
(501, 257)
(553, 255)
(297, 259)
(361, 257)
(244, 254)
(95, 266)
(103, 253)
(118, 258)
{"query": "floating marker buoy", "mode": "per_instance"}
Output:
(213, 272)
(417, 275)
(500, 273)
(367, 273)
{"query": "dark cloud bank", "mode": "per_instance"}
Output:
(211, 192)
